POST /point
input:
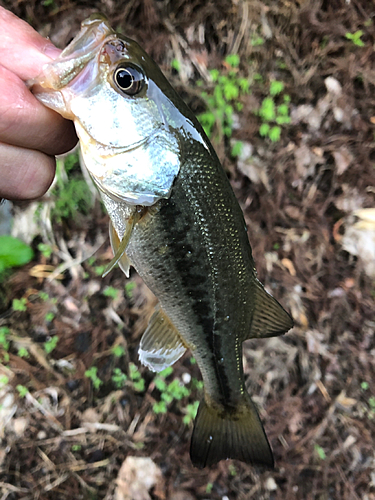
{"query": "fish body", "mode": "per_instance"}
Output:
(174, 217)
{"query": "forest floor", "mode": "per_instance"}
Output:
(80, 418)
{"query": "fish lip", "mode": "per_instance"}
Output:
(58, 74)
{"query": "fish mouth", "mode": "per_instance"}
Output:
(82, 49)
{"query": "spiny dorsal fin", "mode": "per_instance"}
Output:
(269, 317)
(220, 434)
(161, 344)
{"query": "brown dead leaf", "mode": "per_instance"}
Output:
(136, 478)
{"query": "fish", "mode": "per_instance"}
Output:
(174, 218)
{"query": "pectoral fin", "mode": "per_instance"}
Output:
(269, 317)
(161, 344)
(120, 247)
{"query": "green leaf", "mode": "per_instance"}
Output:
(233, 60)
(276, 87)
(275, 133)
(267, 109)
(13, 252)
(264, 129)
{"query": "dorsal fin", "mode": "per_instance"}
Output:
(161, 344)
(269, 317)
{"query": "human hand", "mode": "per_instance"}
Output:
(30, 133)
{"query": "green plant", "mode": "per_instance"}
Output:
(45, 250)
(190, 411)
(49, 316)
(4, 331)
(76, 447)
(92, 374)
(118, 351)
(320, 452)
(13, 252)
(119, 378)
(129, 288)
(3, 380)
(22, 390)
(23, 352)
(71, 191)
(209, 487)
(274, 115)
(356, 38)
(51, 344)
(172, 391)
(111, 292)
(19, 304)
(222, 101)
(136, 378)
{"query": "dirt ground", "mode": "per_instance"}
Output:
(65, 434)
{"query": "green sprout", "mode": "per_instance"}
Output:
(51, 344)
(356, 38)
(118, 351)
(119, 378)
(111, 292)
(4, 331)
(222, 101)
(19, 304)
(22, 390)
(92, 374)
(274, 115)
(136, 378)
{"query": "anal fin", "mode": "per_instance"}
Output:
(269, 317)
(161, 344)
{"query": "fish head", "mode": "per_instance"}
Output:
(129, 120)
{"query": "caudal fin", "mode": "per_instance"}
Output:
(220, 434)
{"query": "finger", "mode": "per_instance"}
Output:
(25, 122)
(25, 174)
(22, 49)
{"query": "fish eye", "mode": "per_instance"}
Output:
(128, 79)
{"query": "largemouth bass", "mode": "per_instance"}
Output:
(174, 217)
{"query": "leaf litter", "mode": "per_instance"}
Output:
(308, 201)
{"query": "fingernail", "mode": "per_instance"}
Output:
(51, 51)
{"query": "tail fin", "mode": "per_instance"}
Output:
(220, 434)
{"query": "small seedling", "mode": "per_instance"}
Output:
(129, 288)
(272, 115)
(111, 292)
(22, 390)
(356, 38)
(320, 452)
(4, 331)
(19, 304)
(23, 352)
(91, 373)
(136, 378)
(190, 411)
(118, 351)
(3, 380)
(45, 250)
(51, 344)
(222, 101)
(119, 378)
